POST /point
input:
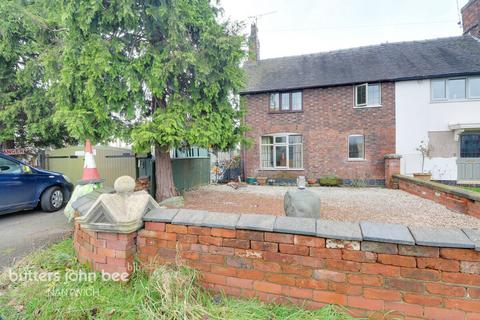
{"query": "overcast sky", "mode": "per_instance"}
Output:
(307, 26)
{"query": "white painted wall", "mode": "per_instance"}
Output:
(416, 116)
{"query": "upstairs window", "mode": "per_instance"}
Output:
(455, 89)
(368, 95)
(286, 101)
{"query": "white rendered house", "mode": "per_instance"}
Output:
(445, 114)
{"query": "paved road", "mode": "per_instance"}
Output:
(23, 232)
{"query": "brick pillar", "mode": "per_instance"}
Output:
(392, 166)
(110, 253)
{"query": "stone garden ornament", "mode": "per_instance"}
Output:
(120, 212)
(302, 203)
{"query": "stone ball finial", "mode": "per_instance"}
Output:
(124, 184)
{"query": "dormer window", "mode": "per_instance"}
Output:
(286, 101)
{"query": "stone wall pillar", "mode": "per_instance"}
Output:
(106, 231)
(392, 166)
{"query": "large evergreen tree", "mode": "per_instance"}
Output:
(163, 73)
(27, 36)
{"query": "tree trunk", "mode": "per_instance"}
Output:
(163, 174)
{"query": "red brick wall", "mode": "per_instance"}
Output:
(451, 201)
(418, 282)
(471, 18)
(105, 252)
(328, 118)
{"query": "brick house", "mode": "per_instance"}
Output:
(335, 113)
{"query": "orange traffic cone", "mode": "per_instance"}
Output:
(90, 172)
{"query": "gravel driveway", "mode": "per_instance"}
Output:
(346, 204)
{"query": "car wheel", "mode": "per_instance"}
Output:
(52, 199)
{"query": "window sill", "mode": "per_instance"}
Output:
(356, 160)
(282, 112)
(366, 107)
(454, 101)
(281, 169)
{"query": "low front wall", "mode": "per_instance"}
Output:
(454, 198)
(367, 277)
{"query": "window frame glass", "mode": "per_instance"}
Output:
(451, 80)
(467, 146)
(285, 98)
(292, 101)
(348, 147)
(366, 103)
(283, 143)
(282, 96)
(445, 81)
(276, 106)
(469, 88)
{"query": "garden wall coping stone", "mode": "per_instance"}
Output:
(474, 236)
(385, 232)
(259, 222)
(441, 237)
(341, 230)
(85, 202)
(220, 220)
(330, 229)
(161, 215)
(295, 225)
(457, 191)
(189, 217)
(392, 156)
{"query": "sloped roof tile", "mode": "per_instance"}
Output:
(385, 62)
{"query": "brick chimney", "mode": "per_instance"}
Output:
(471, 18)
(253, 43)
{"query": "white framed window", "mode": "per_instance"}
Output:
(368, 95)
(281, 151)
(474, 88)
(455, 89)
(356, 147)
(439, 89)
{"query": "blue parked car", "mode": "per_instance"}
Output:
(23, 187)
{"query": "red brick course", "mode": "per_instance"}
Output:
(416, 282)
(328, 118)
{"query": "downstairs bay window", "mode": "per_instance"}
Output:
(281, 151)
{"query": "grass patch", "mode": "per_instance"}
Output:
(168, 293)
(473, 189)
